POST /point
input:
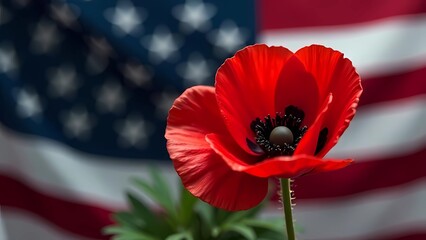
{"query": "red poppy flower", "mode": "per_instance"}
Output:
(272, 113)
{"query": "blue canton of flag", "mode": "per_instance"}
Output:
(100, 76)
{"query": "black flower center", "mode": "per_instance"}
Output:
(279, 135)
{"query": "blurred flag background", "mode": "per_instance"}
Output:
(85, 87)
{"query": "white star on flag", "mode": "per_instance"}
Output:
(46, 37)
(162, 45)
(78, 123)
(133, 132)
(228, 38)
(126, 19)
(196, 71)
(66, 14)
(98, 56)
(111, 98)
(8, 59)
(136, 73)
(163, 102)
(28, 104)
(100, 46)
(63, 81)
(194, 15)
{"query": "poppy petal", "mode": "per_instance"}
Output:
(298, 88)
(309, 142)
(245, 88)
(211, 180)
(236, 160)
(282, 166)
(334, 74)
(295, 166)
(193, 115)
(331, 165)
(195, 112)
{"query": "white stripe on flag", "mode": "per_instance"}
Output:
(3, 235)
(387, 129)
(379, 47)
(53, 168)
(384, 212)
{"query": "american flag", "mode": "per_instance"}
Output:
(85, 87)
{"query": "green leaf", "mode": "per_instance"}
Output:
(127, 219)
(186, 207)
(158, 191)
(206, 213)
(127, 233)
(245, 231)
(180, 236)
(221, 215)
(161, 184)
(149, 220)
(267, 229)
(275, 224)
(270, 235)
(199, 226)
(140, 209)
(235, 217)
(135, 236)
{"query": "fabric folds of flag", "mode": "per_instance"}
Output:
(85, 87)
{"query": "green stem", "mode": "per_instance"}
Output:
(286, 201)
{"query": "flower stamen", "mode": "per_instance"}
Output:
(279, 136)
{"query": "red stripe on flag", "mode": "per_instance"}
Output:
(386, 88)
(407, 236)
(78, 218)
(415, 235)
(278, 14)
(362, 176)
